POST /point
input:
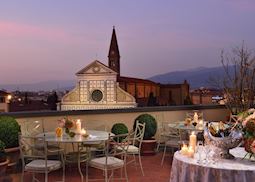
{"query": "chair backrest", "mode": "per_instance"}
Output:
(169, 129)
(28, 149)
(33, 128)
(117, 145)
(138, 134)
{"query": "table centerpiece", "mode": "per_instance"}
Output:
(225, 138)
(247, 124)
(67, 124)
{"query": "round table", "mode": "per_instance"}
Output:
(181, 126)
(94, 137)
(186, 169)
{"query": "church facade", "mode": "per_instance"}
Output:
(103, 87)
(97, 88)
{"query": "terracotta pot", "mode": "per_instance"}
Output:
(13, 155)
(247, 144)
(148, 147)
(3, 166)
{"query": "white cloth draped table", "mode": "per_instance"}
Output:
(186, 169)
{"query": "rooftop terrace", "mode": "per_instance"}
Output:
(93, 119)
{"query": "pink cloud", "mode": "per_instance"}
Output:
(20, 30)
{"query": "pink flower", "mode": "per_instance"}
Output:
(61, 123)
(252, 116)
(253, 147)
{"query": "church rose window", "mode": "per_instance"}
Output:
(97, 95)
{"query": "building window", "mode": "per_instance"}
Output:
(97, 95)
(2, 100)
(110, 90)
(83, 91)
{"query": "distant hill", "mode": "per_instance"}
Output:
(198, 77)
(45, 86)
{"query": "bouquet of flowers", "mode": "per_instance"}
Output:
(67, 124)
(247, 120)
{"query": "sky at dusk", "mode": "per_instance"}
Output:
(53, 39)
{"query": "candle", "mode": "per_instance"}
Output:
(83, 131)
(201, 124)
(78, 126)
(190, 152)
(184, 150)
(195, 117)
(193, 140)
(221, 125)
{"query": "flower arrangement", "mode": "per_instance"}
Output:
(247, 120)
(67, 124)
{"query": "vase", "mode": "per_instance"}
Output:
(67, 130)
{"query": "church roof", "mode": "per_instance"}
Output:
(114, 44)
(136, 80)
(97, 67)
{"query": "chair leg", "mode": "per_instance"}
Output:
(163, 157)
(141, 165)
(46, 177)
(125, 170)
(63, 175)
(33, 177)
(158, 146)
(134, 158)
(87, 171)
(22, 175)
(79, 166)
(106, 176)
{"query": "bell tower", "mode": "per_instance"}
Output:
(114, 54)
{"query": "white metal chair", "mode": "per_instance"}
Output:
(100, 145)
(79, 156)
(136, 143)
(113, 159)
(163, 134)
(35, 161)
(34, 128)
(175, 139)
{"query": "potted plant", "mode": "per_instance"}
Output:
(149, 142)
(3, 160)
(119, 128)
(9, 135)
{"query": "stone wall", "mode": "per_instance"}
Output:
(97, 119)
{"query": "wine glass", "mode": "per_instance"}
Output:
(215, 155)
(207, 150)
(200, 150)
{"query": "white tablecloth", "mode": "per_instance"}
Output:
(186, 169)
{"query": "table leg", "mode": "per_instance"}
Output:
(79, 166)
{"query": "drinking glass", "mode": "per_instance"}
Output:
(200, 150)
(215, 155)
(207, 150)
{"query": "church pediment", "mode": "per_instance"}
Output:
(96, 67)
